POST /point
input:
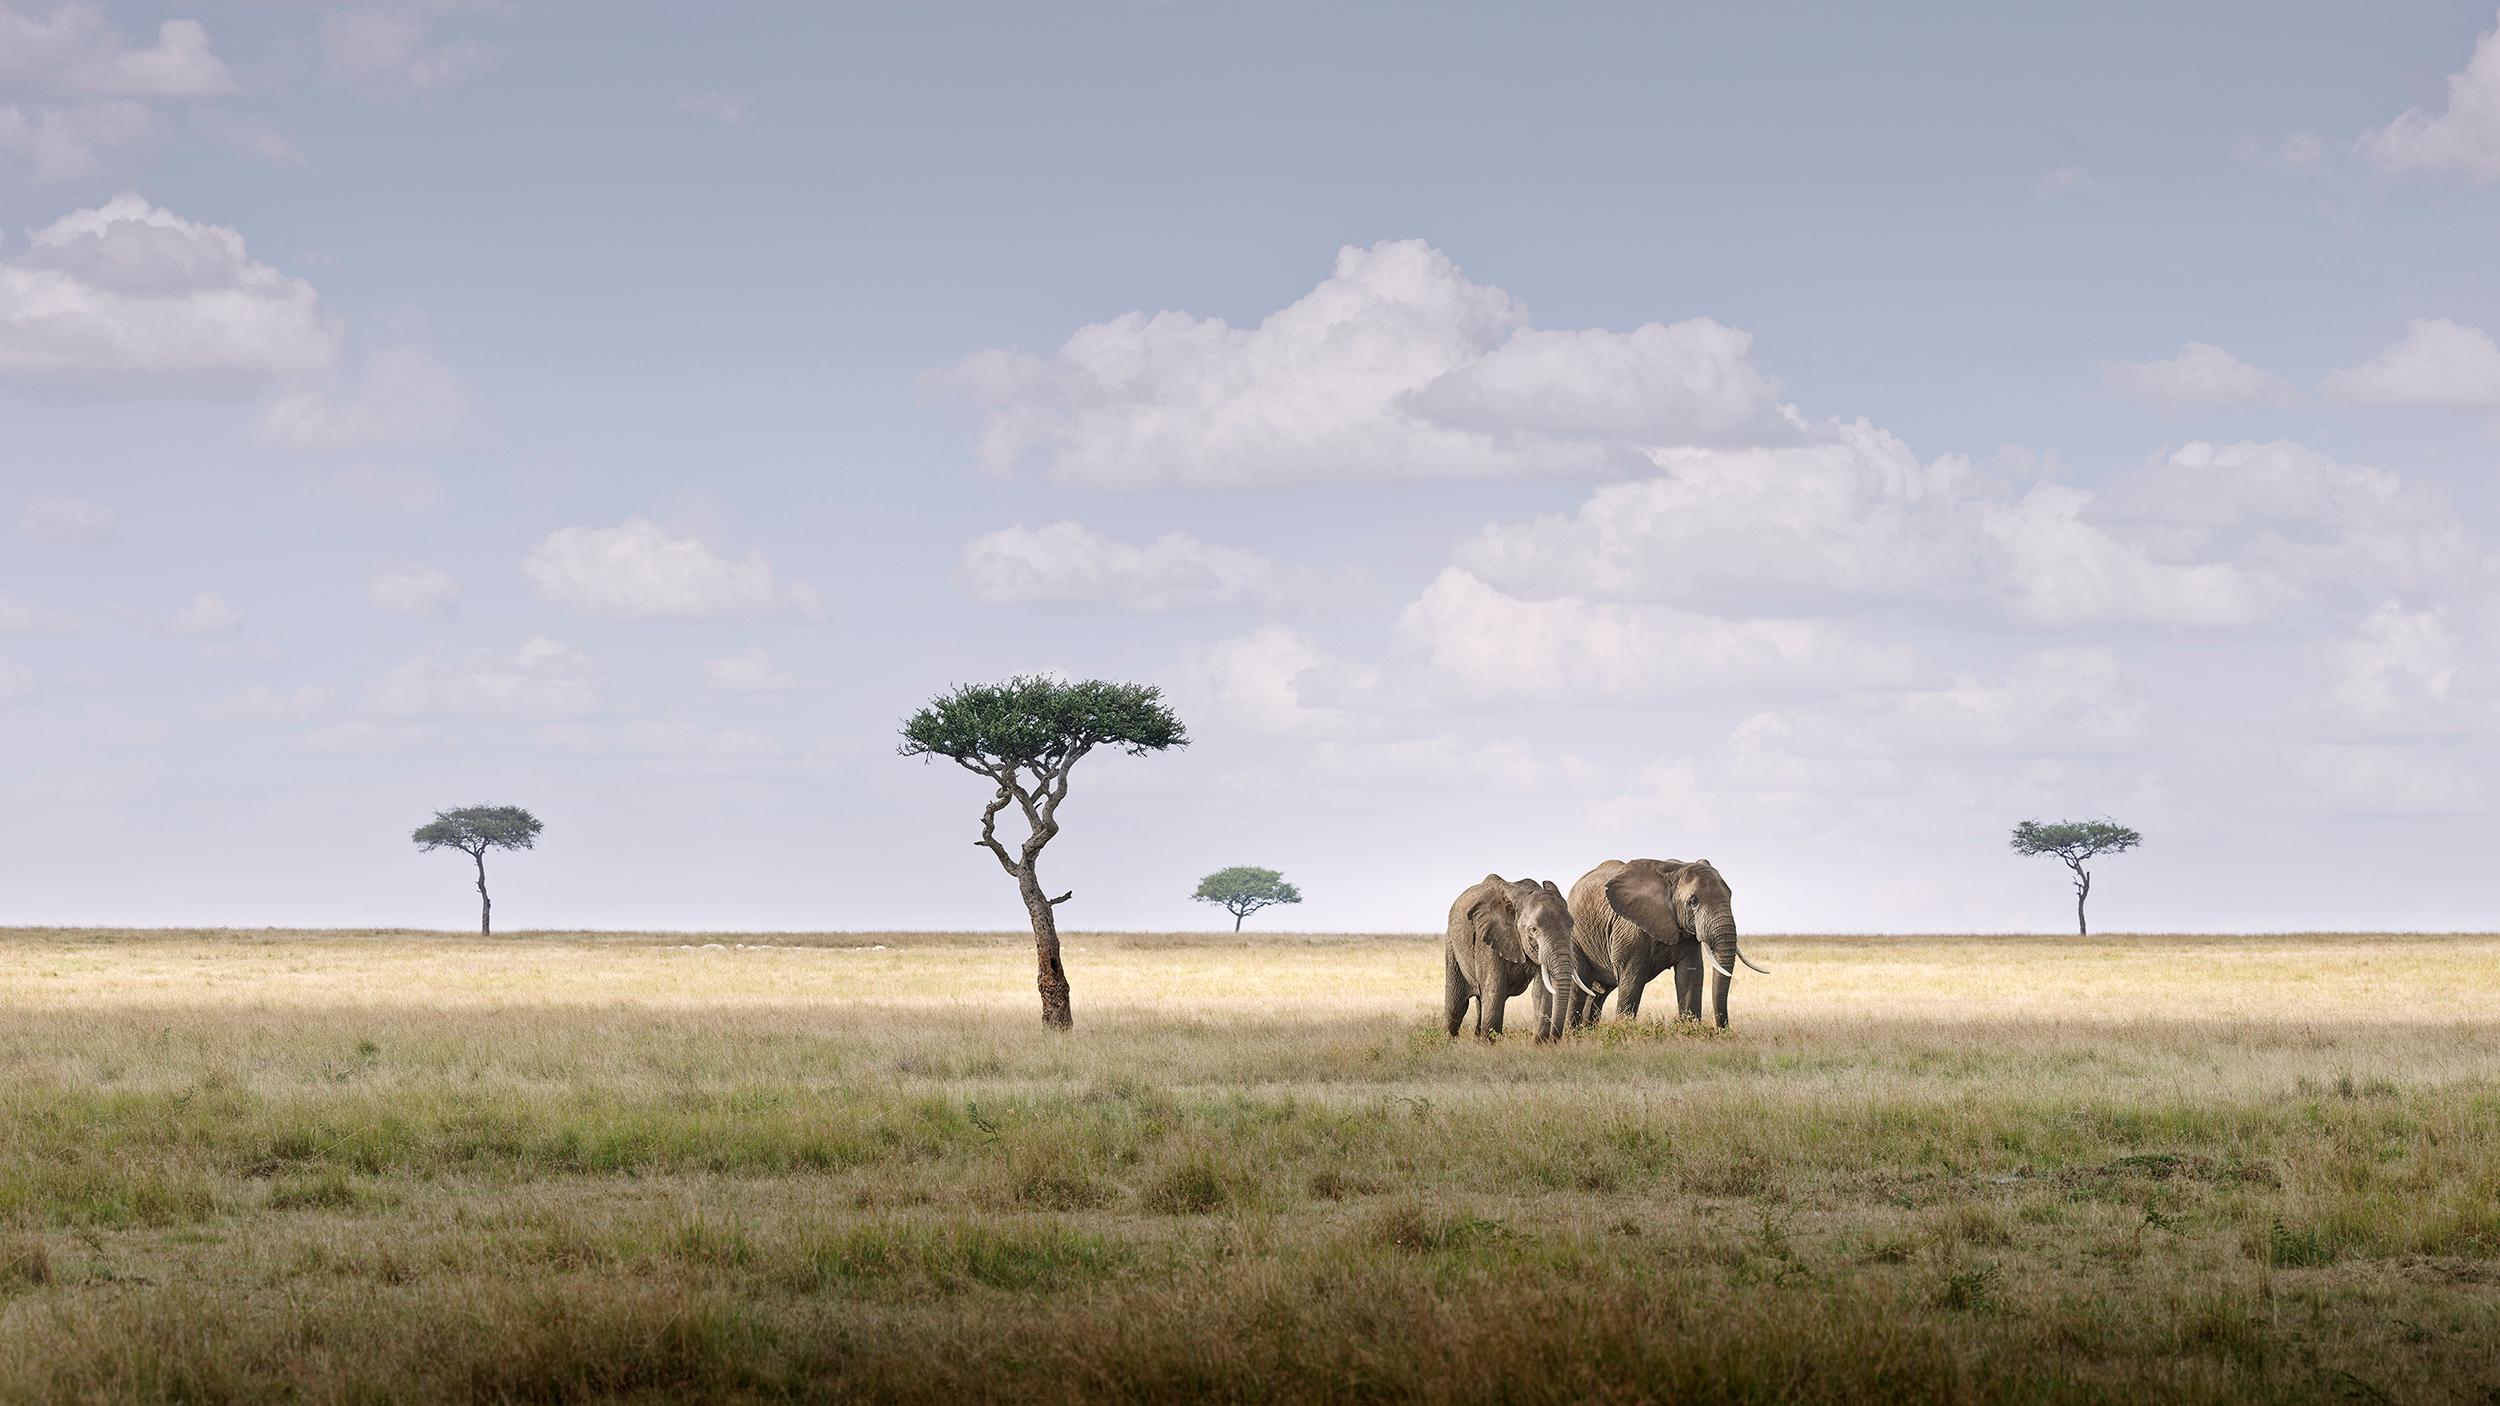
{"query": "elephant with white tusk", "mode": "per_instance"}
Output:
(1504, 937)
(1633, 919)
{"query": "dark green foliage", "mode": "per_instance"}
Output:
(473, 830)
(1038, 722)
(1244, 889)
(2074, 840)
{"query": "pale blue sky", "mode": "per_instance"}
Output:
(616, 409)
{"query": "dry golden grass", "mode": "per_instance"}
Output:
(371, 1166)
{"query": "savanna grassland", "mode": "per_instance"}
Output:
(375, 1166)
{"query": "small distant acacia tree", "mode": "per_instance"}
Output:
(2075, 841)
(1024, 736)
(1245, 889)
(473, 830)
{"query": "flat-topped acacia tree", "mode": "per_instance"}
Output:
(2073, 842)
(1244, 889)
(1024, 736)
(473, 830)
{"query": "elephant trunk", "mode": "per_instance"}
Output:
(1560, 974)
(1719, 942)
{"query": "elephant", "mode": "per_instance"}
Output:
(1505, 936)
(1631, 920)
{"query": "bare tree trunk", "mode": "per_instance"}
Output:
(486, 905)
(2083, 890)
(1051, 977)
(1237, 917)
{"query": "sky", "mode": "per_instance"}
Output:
(1808, 438)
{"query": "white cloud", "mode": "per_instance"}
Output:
(1850, 522)
(2056, 702)
(2201, 377)
(390, 50)
(541, 680)
(2386, 779)
(17, 682)
(1256, 682)
(1492, 645)
(62, 521)
(1394, 368)
(412, 589)
(207, 614)
(750, 671)
(75, 50)
(2396, 672)
(21, 617)
(252, 140)
(2464, 139)
(129, 297)
(388, 490)
(80, 142)
(403, 397)
(264, 704)
(2439, 363)
(636, 571)
(720, 107)
(1067, 563)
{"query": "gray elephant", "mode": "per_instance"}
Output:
(1633, 919)
(1505, 937)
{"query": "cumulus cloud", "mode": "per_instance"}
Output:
(1855, 521)
(636, 571)
(391, 50)
(264, 704)
(130, 297)
(62, 521)
(1397, 367)
(1258, 682)
(1067, 563)
(2439, 363)
(75, 50)
(402, 397)
(750, 671)
(2396, 672)
(541, 680)
(249, 139)
(2055, 702)
(1491, 645)
(412, 589)
(76, 143)
(2201, 377)
(2464, 139)
(22, 617)
(207, 614)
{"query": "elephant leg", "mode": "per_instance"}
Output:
(1453, 992)
(1494, 1002)
(1688, 981)
(1637, 971)
(1542, 1002)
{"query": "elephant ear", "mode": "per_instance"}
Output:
(1495, 916)
(1642, 893)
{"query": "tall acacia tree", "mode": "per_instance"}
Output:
(473, 830)
(1244, 889)
(2075, 841)
(1024, 736)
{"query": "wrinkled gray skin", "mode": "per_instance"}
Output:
(1632, 920)
(1505, 937)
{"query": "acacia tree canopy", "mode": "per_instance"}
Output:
(1024, 736)
(1244, 889)
(473, 830)
(2075, 841)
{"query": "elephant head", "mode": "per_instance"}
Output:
(1526, 920)
(1674, 903)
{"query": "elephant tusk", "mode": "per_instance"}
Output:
(1545, 981)
(1748, 961)
(1716, 965)
(1583, 985)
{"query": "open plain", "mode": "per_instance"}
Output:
(378, 1166)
